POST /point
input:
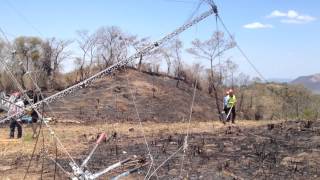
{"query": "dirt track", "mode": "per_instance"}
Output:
(259, 151)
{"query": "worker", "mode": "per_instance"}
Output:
(34, 119)
(15, 108)
(225, 102)
(225, 106)
(232, 106)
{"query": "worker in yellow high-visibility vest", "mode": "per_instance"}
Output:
(232, 101)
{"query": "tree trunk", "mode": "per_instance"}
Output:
(241, 101)
(215, 90)
(216, 96)
(178, 81)
(297, 111)
(140, 62)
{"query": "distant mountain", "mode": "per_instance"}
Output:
(280, 80)
(311, 82)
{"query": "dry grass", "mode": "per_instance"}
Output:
(70, 135)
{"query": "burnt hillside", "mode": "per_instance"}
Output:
(157, 99)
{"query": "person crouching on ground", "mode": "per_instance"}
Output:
(232, 101)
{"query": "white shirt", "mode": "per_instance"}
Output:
(16, 108)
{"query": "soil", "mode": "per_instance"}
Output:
(247, 150)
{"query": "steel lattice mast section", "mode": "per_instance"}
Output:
(118, 65)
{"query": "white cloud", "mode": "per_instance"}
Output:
(257, 25)
(306, 18)
(292, 14)
(277, 13)
(291, 17)
(291, 21)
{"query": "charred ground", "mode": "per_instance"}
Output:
(286, 150)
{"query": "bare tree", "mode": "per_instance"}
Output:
(2, 48)
(211, 49)
(112, 44)
(231, 68)
(88, 45)
(138, 45)
(176, 47)
(169, 55)
(242, 81)
(54, 52)
(26, 55)
(194, 75)
(80, 68)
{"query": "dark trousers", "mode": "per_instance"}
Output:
(232, 115)
(226, 111)
(13, 125)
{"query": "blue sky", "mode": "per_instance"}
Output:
(280, 36)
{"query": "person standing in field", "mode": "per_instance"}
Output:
(231, 106)
(225, 106)
(16, 107)
(32, 112)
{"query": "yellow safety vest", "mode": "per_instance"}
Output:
(232, 101)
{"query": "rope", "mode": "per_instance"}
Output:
(187, 136)
(43, 146)
(195, 11)
(58, 164)
(56, 158)
(28, 99)
(152, 104)
(249, 61)
(121, 63)
(23, 17)
(50, 109)
(4, 34)
(4, 64)
(33, 151)
(185, 145)
(140, 124)
(38, 89)
(33, 81)
(179, 30)
(218, 46)
(241, 51)
(164, 162)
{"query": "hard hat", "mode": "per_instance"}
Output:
(16, 94)
(230, 91)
